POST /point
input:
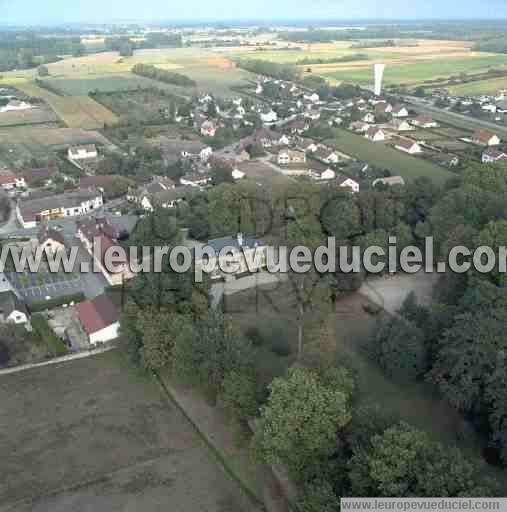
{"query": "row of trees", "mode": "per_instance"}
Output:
(163, 75)
(267, 68)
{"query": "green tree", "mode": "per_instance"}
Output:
(399, 347)
(318, 496)
(300, 421)
(404, 461)
(212, 352)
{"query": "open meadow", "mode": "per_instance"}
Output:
(381, 155)
(93, 435)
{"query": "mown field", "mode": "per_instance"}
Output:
(93, 435)
(384, 156)
(74, 111)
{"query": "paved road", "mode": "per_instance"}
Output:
(449, 116)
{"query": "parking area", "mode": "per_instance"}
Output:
(38, 286)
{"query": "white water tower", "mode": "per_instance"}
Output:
(379, 73)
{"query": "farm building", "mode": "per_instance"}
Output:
(99, 319)
(82, 152)
(69, 204)
(390, 181)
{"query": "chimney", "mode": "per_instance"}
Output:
(240, 239)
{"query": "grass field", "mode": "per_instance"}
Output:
(384, 156)
(490, 86)
(74, 111)
(93, 435)
(417, 71)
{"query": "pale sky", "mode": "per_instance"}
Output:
(55, 11)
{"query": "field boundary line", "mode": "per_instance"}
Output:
(56, 360)
(212, 448)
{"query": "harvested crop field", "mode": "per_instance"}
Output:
(92, 435)
(74, 111)
(39, 115)
(55, 138)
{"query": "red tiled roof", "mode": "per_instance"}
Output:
(97, 314)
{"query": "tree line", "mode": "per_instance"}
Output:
(163, 75)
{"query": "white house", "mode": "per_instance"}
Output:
(408, 146)
(269, 116)
(423, 121)
(369, 118)
(491, 155)
(345, 182)
(99, 319)
(82, 152)
(12, 309)
(399, 111)
(321, 172)
(400, 125)
(314, 97)
(375, 134)
(237, 174)
(289, 156)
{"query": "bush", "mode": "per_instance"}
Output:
(42, 329)
(275, 336)
(254, 335)
(5, 355)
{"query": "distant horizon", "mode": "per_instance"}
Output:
(57, 13)
(238, 23)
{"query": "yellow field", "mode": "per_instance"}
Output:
(74, 111)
